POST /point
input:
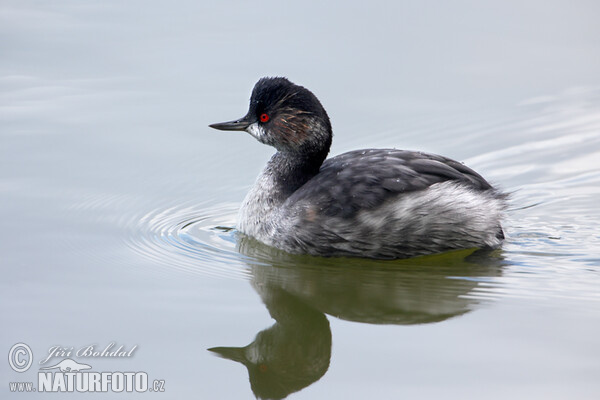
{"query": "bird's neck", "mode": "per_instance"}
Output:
(287, 172)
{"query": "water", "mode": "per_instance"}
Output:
(118, 202)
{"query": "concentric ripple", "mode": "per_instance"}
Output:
(193, 239)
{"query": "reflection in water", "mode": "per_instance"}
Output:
(299, 290)
(291, 354)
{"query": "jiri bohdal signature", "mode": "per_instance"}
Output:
(91, 351)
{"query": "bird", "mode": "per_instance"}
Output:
(370, 203)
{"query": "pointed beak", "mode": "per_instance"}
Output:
(230, 353)
(237, 125)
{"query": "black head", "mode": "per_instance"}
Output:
(286, 116)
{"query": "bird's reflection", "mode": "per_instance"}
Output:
(299, 290)
(291, 354)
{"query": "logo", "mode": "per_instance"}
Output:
(20, 357)
(68, 375)
(69, 365)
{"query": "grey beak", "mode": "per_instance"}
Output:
(237, 125)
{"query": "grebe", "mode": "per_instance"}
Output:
(377, 203)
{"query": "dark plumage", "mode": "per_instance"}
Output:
(362, 179)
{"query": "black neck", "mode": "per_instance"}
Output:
(291, 170)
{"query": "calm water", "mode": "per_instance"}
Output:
(117, 201)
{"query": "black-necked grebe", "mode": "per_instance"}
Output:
(378, 203)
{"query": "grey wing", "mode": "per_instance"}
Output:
(364, 179)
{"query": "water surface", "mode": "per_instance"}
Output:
(118, 203)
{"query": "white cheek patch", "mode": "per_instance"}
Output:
(256, 131)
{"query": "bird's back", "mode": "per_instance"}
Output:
(388, 203)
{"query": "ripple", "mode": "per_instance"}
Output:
(190, 238)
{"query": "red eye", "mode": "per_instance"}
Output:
(264, 117)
